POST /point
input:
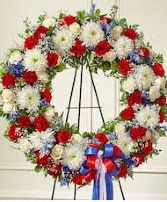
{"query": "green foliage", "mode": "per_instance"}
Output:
(41, 18)
(114, 11)
(81, 16)
(162, 133)
(37, 169)
(123, 23)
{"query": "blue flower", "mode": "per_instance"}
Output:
(43, 102)
(146, 101)
(112, 23)
(149, 61)
(67, 170)
(90, 48)
(13, 115)
(112, 136)
(134, 57)
(16, 69)
(63, 182)
(47, 146)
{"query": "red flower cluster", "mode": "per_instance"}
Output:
(131, 33)
(47, 95)
(41, 123)
(143, 51)
(30, 77)
(68, 20)
(40, 30)
(54, 170)
(102, 47)
(78, 48)
(158, 69)
(128, 113)
(14, 132)
(161, 116)
(102, 138)
(63, 136)
(161, 101)
(123, 172)
(105, 19)
(24, 121)
(139, 159)
(147, 147)
(84, 179)
(8, 80)
(53, 59)
(135, 98)
(137, 133)
(124, 67)
(42, 160)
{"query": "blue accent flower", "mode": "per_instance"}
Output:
(47, 146)
(149, 61)
(90, 48)
(63, 182)
(134, 57)
(43, 102)
(13, 115)
(67, 170)
(16, 69)
(146, 101)
(112, 23)
(112, 136)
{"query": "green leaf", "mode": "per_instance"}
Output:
(60, 67)
(37, 169)
(123, 23)
(162, 133)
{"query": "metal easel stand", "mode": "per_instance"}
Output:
(79, 114)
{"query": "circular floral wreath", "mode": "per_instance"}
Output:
(102, 43)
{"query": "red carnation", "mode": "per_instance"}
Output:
(30, 77)
(30, 42)
(143, 51)
(54, 170)
(105, 19)
(161, 116)
(40, 30)
(137, 133)
(9, 80)
(124, 67)
(128, 113)
(139, 159)
(131, 33)
(123, 172)
(47, 95)
(24, 121)
(158, 69)
(78, 179)
(63, 136)
(41, 123)
(135, 98)
(68, 20)
(116, 151)
(78, 49)
(102, 138)
(147, 147)
(14, 132)
(102, 47)
(161, 101)
(53, 59)
(42, 159)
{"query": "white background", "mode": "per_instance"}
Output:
(17, 178)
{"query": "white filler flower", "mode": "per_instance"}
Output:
(92, 33)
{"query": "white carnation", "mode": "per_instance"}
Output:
(109, 56)
(129, 85)
(8, 95)
(116, 32)
(15, 57)
(42, 76)
(159, 82)
(75, 28)
(77, 138)
(49, 22)
(154, 93)
(50, 112)
(120, 128)
(7, 107)
(57, 152)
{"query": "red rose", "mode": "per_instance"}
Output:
(143, 51)
(14, 132)
(102, 47)
(139, 159)
(161, 116)
(158, 69)
(78, 179)
(137, 133)
(42, 159)
(102, 138)
(68, 20)
(30, 42)
(53, 59)
(63, 136)
(78, 49)
(135, 98)
(161, 101)
(30, 77)
(131, 33)
(124, 67)
(54, 170)
(41, 123)
(105, 19)
(116, 151)
(40, 30)
(47, 95)
(8, 80)
(123, 172)
(24, 121)
(147, 147)
(128, 113)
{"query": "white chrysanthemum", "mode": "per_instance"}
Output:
(144, 77)
(129, 85)
(63, 40)
(148, 116)
(73, 156)
(38, 139)
(28, 98)
(120, 128)
(160, 82)
(34, 60)
(92, 33)
(123, 47)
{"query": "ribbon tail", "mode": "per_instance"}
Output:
(109, 186)
(96, 189)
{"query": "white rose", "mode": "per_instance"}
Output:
(160, 82)
(49, 22)
(15, 57)
(116, 32)
(129, 85)
(57, 152)
(42, 76)
(7, 107)
(49, 113)
(24, 145)
(154, 93)
(78, 138)
(8, 95)
(109, 56)
(75, 28)
(120, 129)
